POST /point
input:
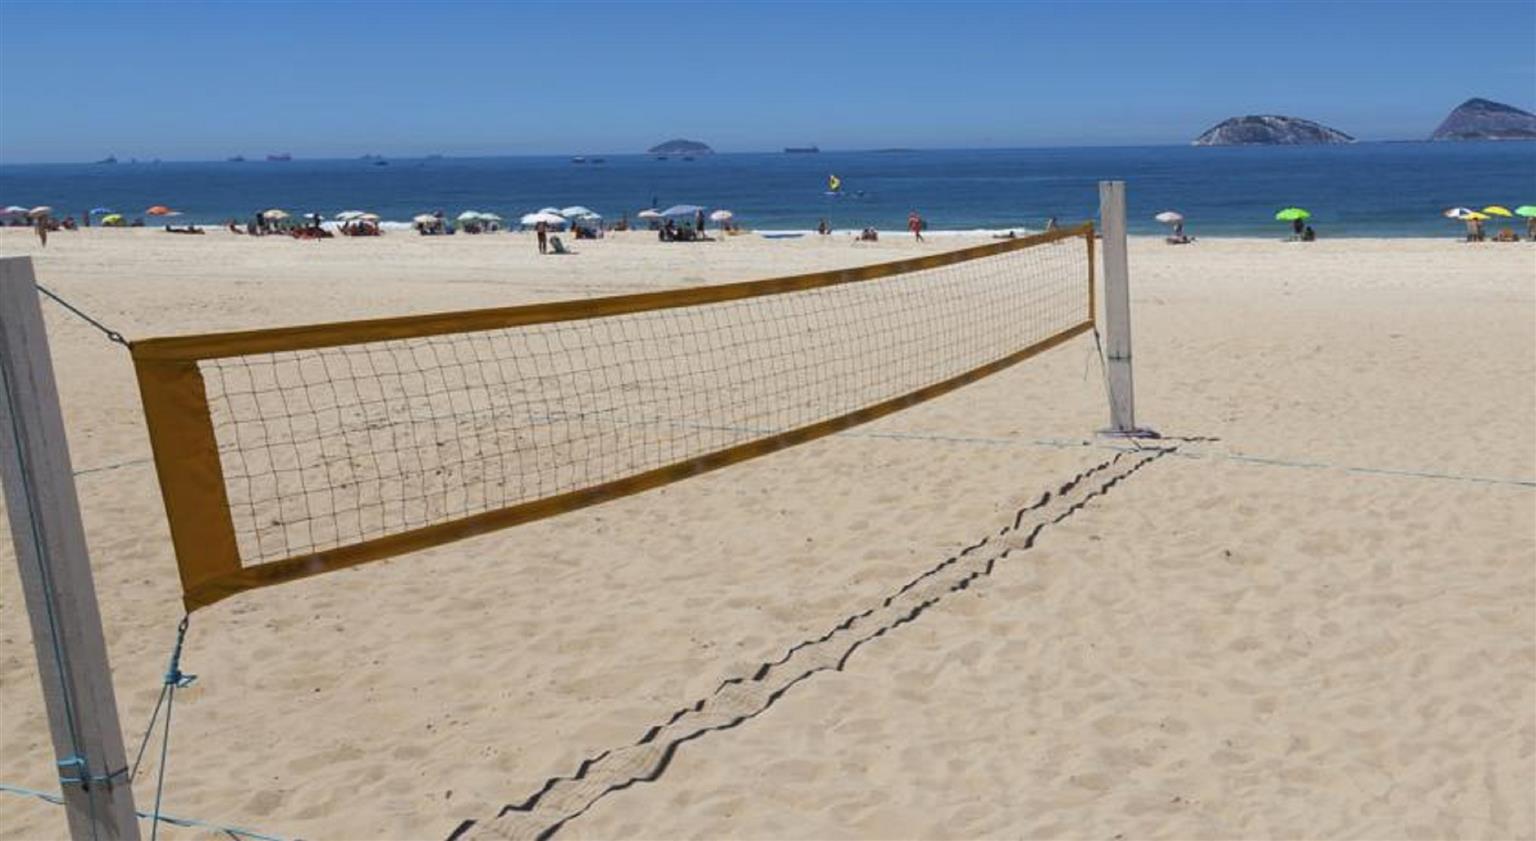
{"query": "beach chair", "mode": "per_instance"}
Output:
(558, 247)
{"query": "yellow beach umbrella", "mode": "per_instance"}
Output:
(1475, 215)
(1497, 210)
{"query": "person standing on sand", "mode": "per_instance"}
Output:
(41, 224)
(542, 229)
(915, 225)
(1297, 227)
(1050, 225)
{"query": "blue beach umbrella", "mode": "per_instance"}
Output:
(682, 210)
(95, 211)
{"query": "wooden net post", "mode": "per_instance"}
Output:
(56, 571)
(1117, 314)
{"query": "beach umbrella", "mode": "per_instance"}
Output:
(112, 219)
(1290, 214)
(160, 210)
(1480, 217)
(469, 216)
(40, 211)
(489, 217)
(576, 211)
(649, 213)
(350, 215)
(1497, 210)
(553, 211)
(721, 216)
(1458, 212)
(14, 210)
(97, 211)
(1169, 217)
(269, 215)
(1526, 210)
(369, 217)
(542, 216)
(423, 218)
(682, 210)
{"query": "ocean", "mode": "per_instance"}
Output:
(1365, 189)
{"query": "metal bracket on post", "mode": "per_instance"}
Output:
(1117, 315)
(55, 569)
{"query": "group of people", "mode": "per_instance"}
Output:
(670, 231)
(915, 223)
(1476, 232)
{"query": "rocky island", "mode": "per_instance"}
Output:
(1484, 119)
(1269, 130)
(681, 147)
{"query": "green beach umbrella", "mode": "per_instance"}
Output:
(1291, 214)
(1526, 210)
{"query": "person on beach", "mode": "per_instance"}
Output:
(1050, 225)
(823, 227)
(698, 222)
(915, 225)
(1308, 235)
(1297, 226)
(41, 224)
(542, 230)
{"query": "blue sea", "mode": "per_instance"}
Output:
(1366, 189)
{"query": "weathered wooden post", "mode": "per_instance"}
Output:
(1117, 314)
(55, 571)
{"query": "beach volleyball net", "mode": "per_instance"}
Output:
(288, 452)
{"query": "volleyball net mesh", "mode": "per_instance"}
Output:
(288, 452)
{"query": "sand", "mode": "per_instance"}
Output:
(1322, 623)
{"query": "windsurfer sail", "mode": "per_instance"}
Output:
(834, 185)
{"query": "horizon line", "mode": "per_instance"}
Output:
(712, 152)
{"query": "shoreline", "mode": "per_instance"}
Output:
(395, 230)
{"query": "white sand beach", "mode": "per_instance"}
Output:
(1316, 618)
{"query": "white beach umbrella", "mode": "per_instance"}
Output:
(542, 216)
(351, 215)
(649, 213)
(424, 219)
(489, 217)
(1458, 213)
(1169, 217)
(14, 210)
(555, 211)
(369, 217)
(721, 216)
(40, 211)
(469, 216)
(576, 211)
(682, 210)
(274, 214)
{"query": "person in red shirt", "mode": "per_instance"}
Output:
(915, 225)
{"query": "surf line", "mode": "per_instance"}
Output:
(737, 700)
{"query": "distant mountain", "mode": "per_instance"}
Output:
(681, 147)
(1483, 119)
(1269, 130)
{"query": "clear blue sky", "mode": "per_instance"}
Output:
(185, 81)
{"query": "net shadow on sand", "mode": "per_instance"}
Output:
(739, 699)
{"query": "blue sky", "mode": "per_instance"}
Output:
(188, 81)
